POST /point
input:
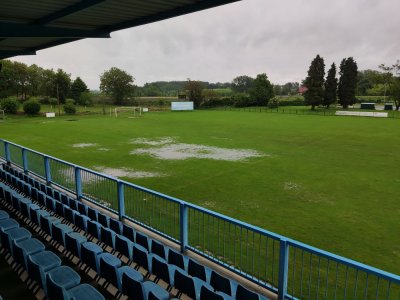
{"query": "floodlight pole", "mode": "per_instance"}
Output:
(58, 99)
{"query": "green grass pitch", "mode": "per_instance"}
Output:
(332, 182)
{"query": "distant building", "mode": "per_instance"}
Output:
(303, 89)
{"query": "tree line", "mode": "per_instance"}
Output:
(325, 92)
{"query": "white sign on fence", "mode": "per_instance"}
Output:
(188, 105)
(50, 115)
(362, 114)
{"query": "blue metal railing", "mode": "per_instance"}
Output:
(287, 267)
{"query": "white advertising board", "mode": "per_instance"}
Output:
(188, 105)
(50, 115)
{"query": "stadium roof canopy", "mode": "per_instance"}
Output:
(27, 26)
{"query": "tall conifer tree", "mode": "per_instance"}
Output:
(315, 82)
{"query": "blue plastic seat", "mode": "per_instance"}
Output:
(107, 237)
(156, 296)
(56, 195)
(43, 187)
(141, 257)
(90, 255)
(49, 191)
(34, 193)
(24, 208)
(222, 284)
(60, 208)
(191, 286)
(116, 226)
(142, 240)
(159, 249)
(41, 198)
(73, 242)
(109, 265)
(5, 225)
(46, 223)
(50, 203)
(15, 234)
(136, 289)
(69, 214)
(40, 263)
(163, 270)
(84, 292)
(73, 204)
(65, 199)
(103, 219)
(22, 249)
(59, 280)
(81, 221)
(94, 229)
(92, 213)
(124, 246)
(128, 272)
(176, 258)
(209, 294)
(33, 209)
(128, 232)
(82, 208)
(3, 215)
(244, 294)
(197, 270)
(27, 189)
(59, 231)
(36, 216)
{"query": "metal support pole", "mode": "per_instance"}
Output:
(78, 183)
(183, 226)
(283, 269)
(24, 161)
(121, 200)
(47, 169)
(7, 152)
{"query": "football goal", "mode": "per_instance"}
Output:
(128, 111)
(2, 115)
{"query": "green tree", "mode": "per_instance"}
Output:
(61, 85)
(394, 85)
(242, 84)
(86, 99)
(31, 107)
(77, 88)
(117, 83)
(315, 82)
(7, 79)
(330, 87)
(34, 79)
(21, 78)
(194, 91)
(347, 82)
(262, 90)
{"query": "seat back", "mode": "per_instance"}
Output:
(244, 294)
(207, 294)
(140, 256)
(132, 288)
(128, 232)
(158, 248)
(176, 259)
(220, 283)
(196, 270)
(184, 283)
(142, 240)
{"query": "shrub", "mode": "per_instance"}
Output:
(241, 100)
(273, 103)
(218, 102)
(31, 107)
(291, 101)
(69, 107)
(86, 99)
(9, 105)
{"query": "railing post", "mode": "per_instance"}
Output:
(47, 169)
(78, 183)
(283, 268)
(183, 226)
(7, 152)
(121, 200)
(24, 161)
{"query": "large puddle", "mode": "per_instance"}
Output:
(125, 172)
(167, 148)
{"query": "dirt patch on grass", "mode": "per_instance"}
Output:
(153, 142)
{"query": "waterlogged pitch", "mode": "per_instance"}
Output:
(332, 182)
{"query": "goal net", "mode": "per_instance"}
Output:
(128, 111)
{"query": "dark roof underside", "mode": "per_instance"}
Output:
(27, 26)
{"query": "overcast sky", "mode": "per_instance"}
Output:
(279, 38)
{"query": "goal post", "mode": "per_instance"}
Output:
(2, 114)
(132, 111)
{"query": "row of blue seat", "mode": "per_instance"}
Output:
(179, 271)
(58, 281)
(106, 265)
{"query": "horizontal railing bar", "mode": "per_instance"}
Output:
(346, 261)
(340, 259)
